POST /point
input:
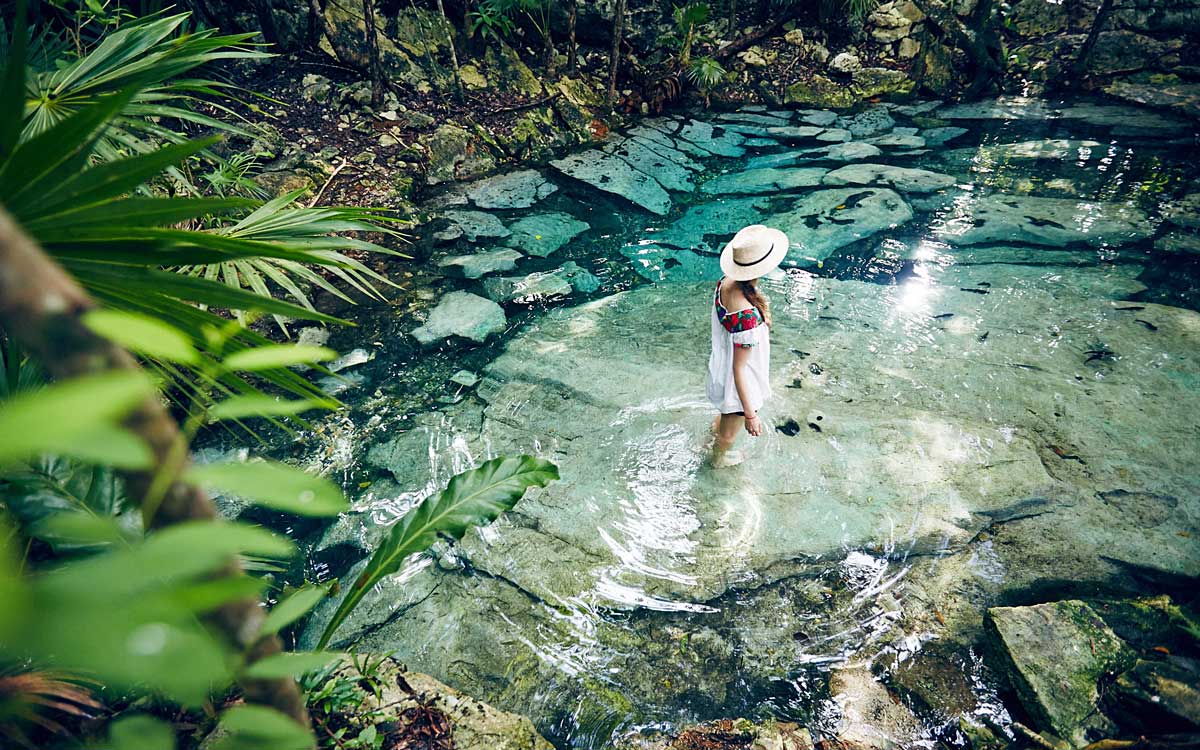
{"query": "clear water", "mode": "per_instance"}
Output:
(947, 422)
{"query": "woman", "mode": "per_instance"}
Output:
(739, 366)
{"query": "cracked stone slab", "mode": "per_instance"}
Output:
(520, 189)
(765, 180)
(903, 179)
(614, 175)
(1044, 221)
(544, 234)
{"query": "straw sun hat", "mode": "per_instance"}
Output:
(754, 251)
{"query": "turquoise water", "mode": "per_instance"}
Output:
(986, 392)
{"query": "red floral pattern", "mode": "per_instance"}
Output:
(735, 322)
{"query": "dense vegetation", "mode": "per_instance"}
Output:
(134, 260)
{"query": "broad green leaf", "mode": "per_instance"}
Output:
(289, 664)
(261, 405)
(140, 732)
(143, 334)
(273, 485)
(62, 418)
(108, 445)
(279, 355)
(76, 529)
(472, 498)
(295, 606)
(208, 595)
(258, 728)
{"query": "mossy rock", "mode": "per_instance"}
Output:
(455, 154)
(882, 82)
(419, 31)
(1055, 656)
(1147, 623)
(937, 69)
(820, 92)
(509, 73)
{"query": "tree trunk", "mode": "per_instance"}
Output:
(615, 57)
(458, 84)
(572, 46)
(266, 20)
(1079, 69)
(374, 69)
(547, 30)
(41, 306)
(351, 57)
(732, 18)
(986, 67)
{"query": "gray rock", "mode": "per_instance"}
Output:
(541, 235)
(706, 136)
(352, 358)
(764, 180)
(465, 378)
(845, 62)
(581, 279)
(668, 264)
(1161, 693)
(673, 174)
(753, 118)
(519, 189)
(475, 725)
(478, 265)
(822, 118)
(870, 718)
(1184, 212)
(911, 110)
(1178, 242)
(943, 135)
(868, 122)
(825, 220)
(835, 135)
(784, 159)
(852, 151)
(1055, 655)
(614, 175)
(900, 178)
(1045, 221)
(1057, 149)
(760, 143)
(462, 314)
(477, 224)
(657, 130)
(719, 219)
(795, 132)
(898, 140)
(530, 288)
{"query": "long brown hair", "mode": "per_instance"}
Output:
(756, 298)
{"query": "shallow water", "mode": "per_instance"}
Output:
(954, 426)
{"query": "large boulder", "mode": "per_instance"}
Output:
(1055, 655)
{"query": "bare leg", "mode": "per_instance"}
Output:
(725, 431)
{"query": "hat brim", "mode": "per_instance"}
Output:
(737, 272)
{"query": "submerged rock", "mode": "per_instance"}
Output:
(852, 151)
(473, 724)
(1057, 149)
(869, 717)
(898, 140)
(475, 225)
(765, 180)
(673, 174)
(868, 122)
(613, 174)
(1158, 695)
(657, 263)
(1046, 221)
(825, 220)
(462, 314)
(541, 235)
(1056, 654)
(519, 189)
(901, 178)
(478, 265)
(942, 135)
(718, 218)
(529, 288)
(1184, 212)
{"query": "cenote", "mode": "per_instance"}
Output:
(986, 382)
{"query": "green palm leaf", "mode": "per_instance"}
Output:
(472, 498)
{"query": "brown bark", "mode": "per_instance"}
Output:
(572, 45)
(1085, 52)
(615, 57)
(41, 307)
(732, 29)
(548, 41)
(374, 69)
(458, 84)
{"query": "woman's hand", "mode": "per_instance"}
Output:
(754, 425)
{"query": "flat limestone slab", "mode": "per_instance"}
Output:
(462, 314)
(1044, 221)
(519, 189)
(614, 175)
(541, 235)
(765, 180)
(903, 179)
(825, 220)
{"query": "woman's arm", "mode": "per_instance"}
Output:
(740, 355)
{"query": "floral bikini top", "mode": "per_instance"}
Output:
(737, 321)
